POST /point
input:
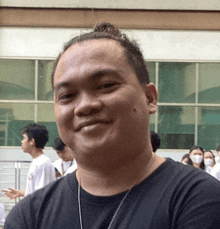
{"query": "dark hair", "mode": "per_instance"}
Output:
(218, 148)
(108, 31)
(185, 156)
(155, 140)
(202, 165)
(38, 132)
(58, 144)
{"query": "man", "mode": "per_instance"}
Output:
(66, 163)
(41, 171)
(102, 103)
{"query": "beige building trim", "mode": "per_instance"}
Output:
(126, 19)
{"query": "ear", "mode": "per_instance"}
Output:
(151, 94)
(32, 141)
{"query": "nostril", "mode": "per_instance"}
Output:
(88, 107)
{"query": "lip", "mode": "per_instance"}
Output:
(90, 123)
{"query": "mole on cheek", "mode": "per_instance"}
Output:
(135, 110)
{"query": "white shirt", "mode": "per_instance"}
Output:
(2, 213)
(215, 172)
(208, 169)
(41, 173)
(217, 159)
(68, 166)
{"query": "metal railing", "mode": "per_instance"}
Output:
(12, 175)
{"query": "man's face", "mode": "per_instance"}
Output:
(25, 144)
(99, 105)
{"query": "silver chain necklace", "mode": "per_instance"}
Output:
(115, 214)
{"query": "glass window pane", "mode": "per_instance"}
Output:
(45, 68)
(152, 122)
(209, 83)
(208, 127)
(176, 127)
(177, 82)
(151, 67)
(46, 117)
(17, 79)
(13, 117)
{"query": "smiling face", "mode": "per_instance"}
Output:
(100, 107)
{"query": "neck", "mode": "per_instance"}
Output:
(36, 152)
(196, 165)
(122, 177)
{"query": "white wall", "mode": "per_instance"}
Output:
(156, 44)
(16, 154)
(119, 4)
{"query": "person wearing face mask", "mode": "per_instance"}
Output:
(209, 160)
(215, 171)
(196, 155)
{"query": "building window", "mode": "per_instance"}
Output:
(188, 101)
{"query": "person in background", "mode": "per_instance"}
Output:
(41, 171)
(209, 160)
(102, 102)
(66, 163)
(2, 213)
(196, 157)
(215, 171)
(185, 159)
(155, 140)
(217, 158)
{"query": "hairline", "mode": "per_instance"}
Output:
(91, 39)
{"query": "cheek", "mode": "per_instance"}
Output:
(131, 109)
(62, 114)
(64, 120)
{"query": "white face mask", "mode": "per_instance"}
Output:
(208, 162)
(196, 158)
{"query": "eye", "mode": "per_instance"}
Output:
(108, 86)
(66, 96)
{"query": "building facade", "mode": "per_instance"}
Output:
(180, 45)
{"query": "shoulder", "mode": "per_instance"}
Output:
(216, 169)
(57, 162)
(43, 160)
(42, 201)
(185, 177)
(190, 195)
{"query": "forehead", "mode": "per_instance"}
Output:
(208, 154)
(89, 56)
(25, 136)
(196, 151)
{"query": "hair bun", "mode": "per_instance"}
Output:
(106, 27)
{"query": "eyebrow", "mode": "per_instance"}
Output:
(97, 74)
(60, 85)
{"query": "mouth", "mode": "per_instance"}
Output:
(90, 123)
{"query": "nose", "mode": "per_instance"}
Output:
(88, 105)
